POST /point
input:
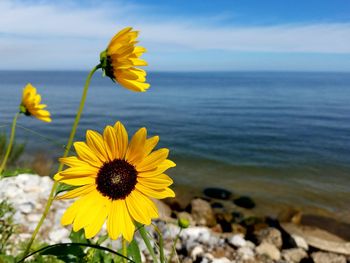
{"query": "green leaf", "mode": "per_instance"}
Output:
(64, 187)
(78, 237)
(67, 253)
(15, 172)
(71, 252)
(134, 251)
(7, 259)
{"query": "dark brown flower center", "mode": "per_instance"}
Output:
(116, 179)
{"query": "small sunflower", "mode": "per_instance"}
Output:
(31, 106)
(121, 57)
(115, 180)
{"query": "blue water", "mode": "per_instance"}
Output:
(280, 137)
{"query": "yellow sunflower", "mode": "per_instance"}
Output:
(121, 57)
(31, 106)
(115, 180)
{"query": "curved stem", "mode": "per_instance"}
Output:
(9, 147)
(173, 251)
(124, 249)
(66, 152)
(143, 234)
(65, 245)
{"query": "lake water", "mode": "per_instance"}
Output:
(282, 138)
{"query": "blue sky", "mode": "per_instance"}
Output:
(179, 35)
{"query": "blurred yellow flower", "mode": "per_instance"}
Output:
(121, 57)
(31, 106)
(116, 180)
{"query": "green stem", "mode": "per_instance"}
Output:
(66, 152)
(174, 245)
(143, 234)
(161, 244)
(9, 147)
(124, 249)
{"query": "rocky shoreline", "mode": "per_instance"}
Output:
(219, 230)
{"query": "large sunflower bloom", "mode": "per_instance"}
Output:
(115, 180)
(121, 57)
(31, 106)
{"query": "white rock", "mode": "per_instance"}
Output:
(326, 257)
(26, 208)
(34, 218)
(250, 244)
(246, 253)
(221, 260)
(238, 241)
(300, 242)
(59, 234)
(294, 255)
(269, 250)
(11, 192)
(196, 251)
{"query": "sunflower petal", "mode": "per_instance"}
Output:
(77, 181)
(136, 146)
(110, 141)
(122, 140)
(83, 216)
(114, 220)
(86, 154)
(157, 182)
(128, 227)
(150, 144)
(80, 191)
(159, 194)
(161, 168)
(153, 160)
(99, 217)
(137, 207)
(95, 141)
(72, 161)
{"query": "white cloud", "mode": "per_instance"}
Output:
(60, 35)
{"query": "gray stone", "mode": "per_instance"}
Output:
(301, 243)
(237, 240)
(269, 250)
(26, 208)
(294, 255)
(221, 260)
(319, 238)
(246, 253)
(250, 244)
(196, 252)
(34, 218)
(59, 234)
(326, 257)
(270, 235)
(202, 213)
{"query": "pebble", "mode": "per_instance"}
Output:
(300, 242)
(217, 193)
(202, 213)
(28, 194)
(221, 260)
(196, 252)
(58, 235)
(294, 255)
(327, 257)
(26, 208)
(269, 250)
(245, 202)
(246, 253)
(270, 235)
(238, 241)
